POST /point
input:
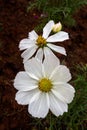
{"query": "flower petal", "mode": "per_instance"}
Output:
(39, 54)
(33, 35)
(39, 107)
(24, 97)
(34, 68)
(28, 53)
(23, 82)
(26, 43)
(60, 74)
(50, 61)
(48, 52)
(64, 92)
(57, 106)
(48, 28)
(57, 48)
(58, 37)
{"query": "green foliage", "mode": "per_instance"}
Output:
(76, 117)
(58, 10)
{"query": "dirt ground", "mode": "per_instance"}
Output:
(15, 24)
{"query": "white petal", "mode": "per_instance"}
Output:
(61, 74)
(48, 28)
(58, 37)
(28, 53)
(64, 92)
(50, 61)
(57, 48)
(57, 106)
(25, 97)
(34, 68)
(26, 43)
(33, 35)
(48, 52)
(39, 107)
(23, 82)
(39, 54)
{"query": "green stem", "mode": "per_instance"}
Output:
(51, 122)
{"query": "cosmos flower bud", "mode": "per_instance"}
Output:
(57, 27)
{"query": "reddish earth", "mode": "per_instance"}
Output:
(15, 24)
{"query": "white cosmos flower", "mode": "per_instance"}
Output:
(38, 43)
(44, 86)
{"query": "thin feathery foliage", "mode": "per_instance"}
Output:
(76, 117)
(58, 10)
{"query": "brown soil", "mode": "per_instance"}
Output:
(15, 24)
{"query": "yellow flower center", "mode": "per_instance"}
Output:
(41, 42)
(45, 85)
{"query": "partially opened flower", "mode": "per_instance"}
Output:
(44, 87)
(57, 27)
(39, 43)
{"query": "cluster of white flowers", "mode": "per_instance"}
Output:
(44, 86)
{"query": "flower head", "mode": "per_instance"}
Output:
(38, 43)
(57, 27)
(44, 86)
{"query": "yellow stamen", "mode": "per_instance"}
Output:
(45, 85)
(41, 42)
